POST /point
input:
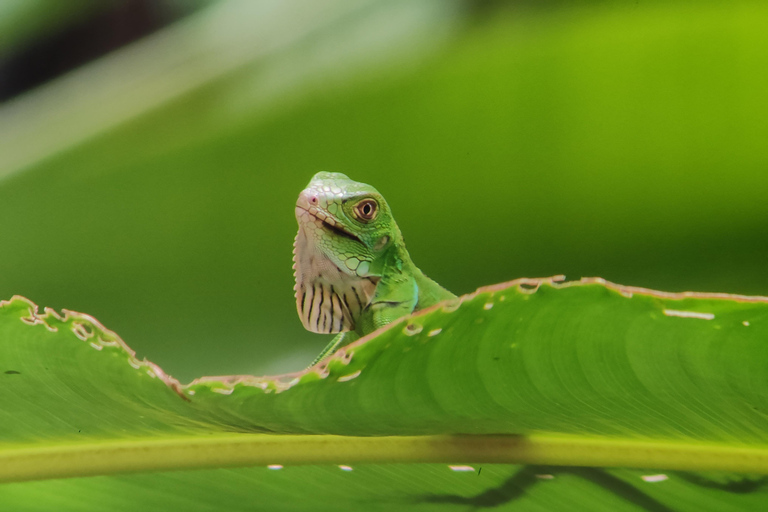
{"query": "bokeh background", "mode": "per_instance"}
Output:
(151, 152)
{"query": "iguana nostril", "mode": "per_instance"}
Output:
(313, 200)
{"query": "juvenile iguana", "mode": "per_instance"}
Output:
(353, 273)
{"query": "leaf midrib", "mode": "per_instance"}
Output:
(108, 457)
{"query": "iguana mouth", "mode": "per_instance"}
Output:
(329, 223)
(339, 230)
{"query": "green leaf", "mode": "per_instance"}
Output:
(622, 139)
(564, 377)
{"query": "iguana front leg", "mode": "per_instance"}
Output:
(393, 299)
(341, 339)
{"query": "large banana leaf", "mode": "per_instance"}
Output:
(618, 139)
(567, 378)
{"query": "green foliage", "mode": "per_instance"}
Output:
(609, 139)
(625, 143)
(630, 377)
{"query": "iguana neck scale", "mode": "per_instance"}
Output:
(353, 272)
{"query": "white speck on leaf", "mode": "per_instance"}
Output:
(654, 478)
(345, 468)
(745, 323)
(461, 468)
(434, 332)
(488, 305)
(689, 314)
(351, 376)
(412, 329)
(452, 306)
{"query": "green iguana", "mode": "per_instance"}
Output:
(353, 273)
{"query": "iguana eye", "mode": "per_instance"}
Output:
(366, 209)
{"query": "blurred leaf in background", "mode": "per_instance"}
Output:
(42, 39)
(154, 187)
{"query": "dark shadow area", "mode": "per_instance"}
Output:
(737, 484)
(517, 485)
(510, 490)
(84, 40)
(521, 482)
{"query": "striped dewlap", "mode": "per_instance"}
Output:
(324, 310)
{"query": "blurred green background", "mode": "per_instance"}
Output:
(153, 186)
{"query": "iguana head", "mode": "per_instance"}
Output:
(349, 222)
(345, 228)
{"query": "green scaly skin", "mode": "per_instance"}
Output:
(353, 273)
